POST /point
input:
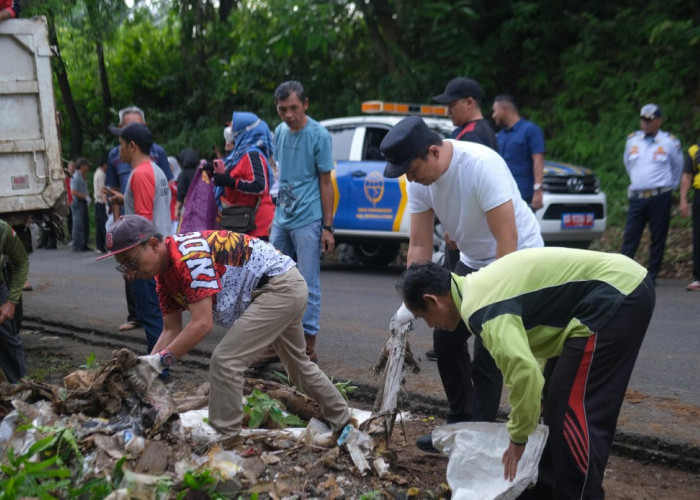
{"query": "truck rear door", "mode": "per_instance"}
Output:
(31, 174)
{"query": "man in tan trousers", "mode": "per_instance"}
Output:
(233, 280)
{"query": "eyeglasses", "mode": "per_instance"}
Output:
(132, 264)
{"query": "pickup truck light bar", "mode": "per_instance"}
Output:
(402, 108)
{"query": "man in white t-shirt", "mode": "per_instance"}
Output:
(469, 188)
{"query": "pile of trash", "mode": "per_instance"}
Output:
(110, 432)
(103, 428)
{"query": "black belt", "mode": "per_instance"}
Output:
(262, 281)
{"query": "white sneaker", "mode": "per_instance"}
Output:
(695, 285)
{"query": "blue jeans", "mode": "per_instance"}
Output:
(148, 310)
(657, 212)
(303, 244)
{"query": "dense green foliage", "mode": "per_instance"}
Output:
(579, 69)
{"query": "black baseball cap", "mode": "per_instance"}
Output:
(137, 133)
(403, 143)
(459, 88)
(127, 232)
(650, 111)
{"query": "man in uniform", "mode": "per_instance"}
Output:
(11, 351)
(654, 161)
(521, 144)
(470, 189)
(590, 309)
(236, 281)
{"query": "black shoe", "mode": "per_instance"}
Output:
(425, 443)
(431, 355)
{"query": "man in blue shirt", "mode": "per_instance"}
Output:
(521, 144)
(118, 172)
(303, 223)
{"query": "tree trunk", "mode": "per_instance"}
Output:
(59, 68)
(225, 8)
(384, 31)
(104, 82)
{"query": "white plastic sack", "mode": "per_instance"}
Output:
(475, 471)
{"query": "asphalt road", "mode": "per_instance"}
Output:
(75, 289)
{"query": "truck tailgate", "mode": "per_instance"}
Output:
(31, 174)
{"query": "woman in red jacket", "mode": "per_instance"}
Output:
(246, 179)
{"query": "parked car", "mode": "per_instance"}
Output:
(371, 212)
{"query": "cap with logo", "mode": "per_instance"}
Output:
(403, 143)
(126, 233)
(650, 112)
(459, 88)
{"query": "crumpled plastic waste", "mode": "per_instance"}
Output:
(475, 449)
(359, 445)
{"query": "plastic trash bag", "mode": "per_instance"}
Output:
(474, 469)
(199, 210)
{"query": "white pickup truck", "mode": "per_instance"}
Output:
(32, 182)
(371, 211)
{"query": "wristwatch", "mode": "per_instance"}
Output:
(537, 186)
(166, 358)
(328, 228)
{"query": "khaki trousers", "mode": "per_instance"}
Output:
(274, 317)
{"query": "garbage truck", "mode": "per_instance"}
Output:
(32, 180)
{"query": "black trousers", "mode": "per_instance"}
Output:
(656, 211)
(473, 388)
(696, 235)
(100, 231)
(130, 303)
(585, 394)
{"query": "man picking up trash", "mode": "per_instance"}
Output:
(591, 309)
(236, 281)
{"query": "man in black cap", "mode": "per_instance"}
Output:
(654, 161)
(147, 194)
(469, 188)
(463, 99)
(117, 176)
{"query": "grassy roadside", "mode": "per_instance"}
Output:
(678, 257)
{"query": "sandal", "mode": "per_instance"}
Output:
(129, 325)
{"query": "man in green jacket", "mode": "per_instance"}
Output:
(11, 351)
(590, 309)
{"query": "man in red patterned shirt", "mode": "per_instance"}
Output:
(236, 281)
